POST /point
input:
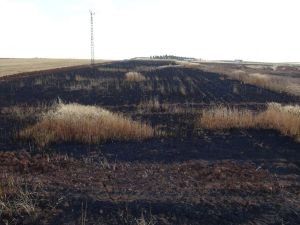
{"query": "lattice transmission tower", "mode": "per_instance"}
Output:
(92, 39)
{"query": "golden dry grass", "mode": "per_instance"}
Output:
(225, 118)
(84, 124)
(134, 77)
(285, 119)
(279, 84)
(256, 75)
(15, 66)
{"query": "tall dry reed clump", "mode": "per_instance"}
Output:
(134, 77)
(84, 124)
(285, 119)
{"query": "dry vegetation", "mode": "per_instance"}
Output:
(16, 199)
(134, 77)
(22, 112)
(14, 66)
(285, 119)
(153, 105)
(275, 83)
(84, 124)
(269, 79)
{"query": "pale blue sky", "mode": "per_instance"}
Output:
(260, 30)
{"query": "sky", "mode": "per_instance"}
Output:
(255, 30)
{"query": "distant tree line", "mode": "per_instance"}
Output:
(173, 57)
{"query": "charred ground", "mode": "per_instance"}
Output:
(185, 176)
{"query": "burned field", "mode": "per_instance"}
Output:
(169, 170)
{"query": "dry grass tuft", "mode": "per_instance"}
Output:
(152, 105)
(134, 77)
(221, 117)
(16, 199)
(84, 124)
(285, 119)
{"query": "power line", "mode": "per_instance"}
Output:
(92, 38)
